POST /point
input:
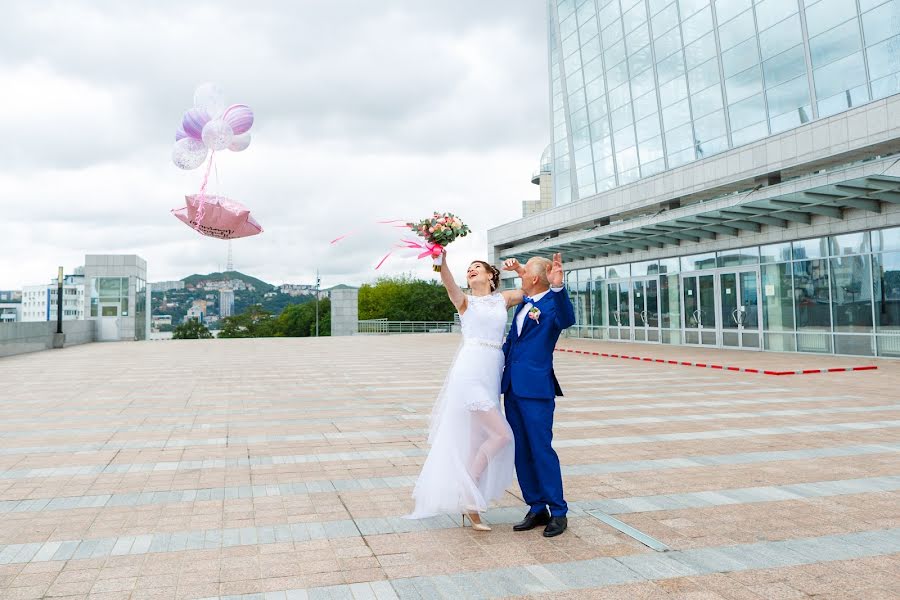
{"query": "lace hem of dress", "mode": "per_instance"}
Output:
(480, 405)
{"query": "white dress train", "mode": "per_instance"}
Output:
(470, 463)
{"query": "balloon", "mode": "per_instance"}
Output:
(218, 217)
(217, 134)
(240, 117)
(209, 98)
(188, 153)
(240, 142)
(179, 133)
(193, 121)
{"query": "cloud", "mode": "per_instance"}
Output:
(364, 111)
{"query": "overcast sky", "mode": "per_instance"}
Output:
(365, 110)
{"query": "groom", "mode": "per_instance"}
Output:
(530, 389)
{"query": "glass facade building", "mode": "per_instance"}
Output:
(641, 86)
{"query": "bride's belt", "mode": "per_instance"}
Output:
(486, 343)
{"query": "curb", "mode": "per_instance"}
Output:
(684, 363)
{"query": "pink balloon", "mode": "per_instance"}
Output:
(239, 143)
(192, 123)
(218, 217)
(240, 117)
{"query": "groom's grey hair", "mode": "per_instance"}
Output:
(539, 267)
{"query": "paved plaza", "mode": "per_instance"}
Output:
(280, 469)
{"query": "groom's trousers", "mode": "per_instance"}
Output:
(537, 465)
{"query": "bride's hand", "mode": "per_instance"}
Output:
(511, 264)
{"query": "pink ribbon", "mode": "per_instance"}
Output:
(432, 250)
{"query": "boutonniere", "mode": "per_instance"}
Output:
(535, 313)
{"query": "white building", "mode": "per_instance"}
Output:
(194, 313)
(39, 301)
(10, 312)
(226, 303)
(165, 286)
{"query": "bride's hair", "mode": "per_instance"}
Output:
(494, 271)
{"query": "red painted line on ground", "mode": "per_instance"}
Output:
(717, 366)
(808, 371)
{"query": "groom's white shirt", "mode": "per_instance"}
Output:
(520, 318)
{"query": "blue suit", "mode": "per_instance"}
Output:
(530, 388)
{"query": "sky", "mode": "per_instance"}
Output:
(365, 110)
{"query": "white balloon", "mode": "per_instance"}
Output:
(240, 142)
(209, 97)
(217, 134)
(188, 153)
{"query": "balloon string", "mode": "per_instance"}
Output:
(202, 199)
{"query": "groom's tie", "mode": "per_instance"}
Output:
(528, 300)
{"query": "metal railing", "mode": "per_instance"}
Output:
(383, 326)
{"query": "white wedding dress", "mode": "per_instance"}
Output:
(472, 455)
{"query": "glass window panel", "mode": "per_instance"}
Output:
(788, 96)
(621, 117)
(851, 294)
(791, 119)
(743, 85)
(593, 70)
(580, 139)
(611, 34)
(640, 60)
(665, 20)
(887, 291)
(727, 9)
(564, 195)
(840, 76)
(681, 157)
(704, 76)
(779, 38)
(566, 8)
(602, 147)
(706, 102)
(884, 58)
(635, 17)
(586, 190)
(648, 127)
(573, 64)
(567, 26)
(710, 127)
(680, 138)
(643, 83)
(590, 49)
(629, 176)
(653, 167)
(624, 138)
(674, 91)
(886, 239)
(109, 287)
(600, 129)
(811, 294)
(850, 243)
(689, 7)
(594, 93)
(627, 159)
(770, 12)
(785, 66)
(750, 134)
(740, 58)
(579, 119)
(615, 53)
(698, 262)
(778, 297)
(609, 12)
(747, 112)
(616, 75)
(865, 5)
(574, 81)
(637, 39)
(710, 147)
(583, 158)
(775, 252)
(650, 150)
(738, 257)
(881, 23)
(737, 30)
(700, 51)
(585, 177)
(670, 67)
(886, 86)
(619, 96)
(695, 27)
(589, 29)
(676, 114)
(585, 12)
(811, 248)
(570, 45)
(606, 184)
(645, 105)
(603, 167)
(835, 43)
(667, 43)
(576, 100)
(825, 14)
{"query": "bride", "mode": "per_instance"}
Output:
(471, 459)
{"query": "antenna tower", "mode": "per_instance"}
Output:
(229, 264)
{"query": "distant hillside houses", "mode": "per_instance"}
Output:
(218, 285)
(297, 289)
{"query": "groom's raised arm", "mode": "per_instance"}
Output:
(565, 312)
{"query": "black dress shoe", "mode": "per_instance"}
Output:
(556, 526)
(532, 520)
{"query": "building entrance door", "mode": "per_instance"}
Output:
(698, 292)
(645, 309)
(109, 321)
(739, 308)
(618, 310)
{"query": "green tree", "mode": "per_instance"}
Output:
(299, 320)
(253, 322)
(405, 299)
(191, 330)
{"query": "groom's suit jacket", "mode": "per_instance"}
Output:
(528, 371)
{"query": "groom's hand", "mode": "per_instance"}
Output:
(556, 275)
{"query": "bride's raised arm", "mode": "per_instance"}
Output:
(513, 297)
(457, 297)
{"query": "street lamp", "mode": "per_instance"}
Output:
(317, 302)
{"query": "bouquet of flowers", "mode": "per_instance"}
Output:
(438, 230)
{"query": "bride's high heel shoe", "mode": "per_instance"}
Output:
(477, 525)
